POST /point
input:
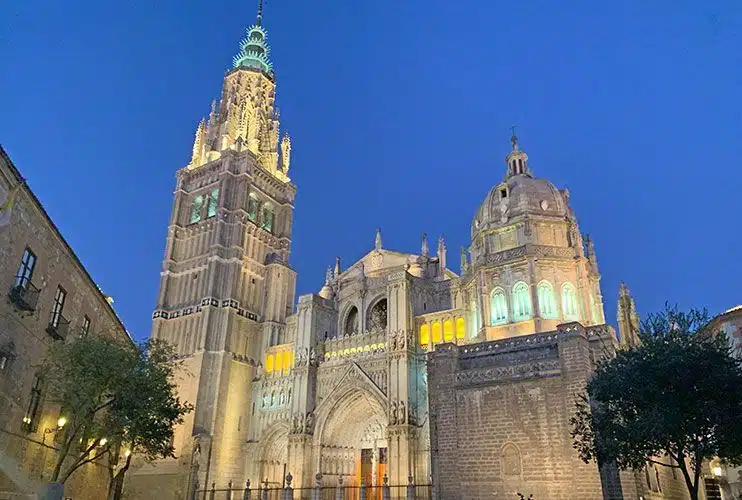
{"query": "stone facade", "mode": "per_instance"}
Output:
(26, 429)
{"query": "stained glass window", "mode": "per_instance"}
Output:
(546, 303)
(268, 218)
(499, 307)
(521, 302)
(252, 208)
(569, 303)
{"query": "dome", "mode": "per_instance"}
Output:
(516, 196)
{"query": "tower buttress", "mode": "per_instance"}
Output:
(628, 319)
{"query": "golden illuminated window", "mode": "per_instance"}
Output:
(460, 328)
(437, 332)
(287, 361)
(269, 361)
(424, 334)
(448, 331)
(279, 361)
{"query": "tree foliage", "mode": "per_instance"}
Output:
(673, 400)
(119, 399)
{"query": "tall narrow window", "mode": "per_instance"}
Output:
(569, 303)
(198, 202)
(213, 202)
(268, 218)
(474, 319)
(25, 270)
(252, 207)
(521, 302)
(31, 420)
(424, 335)
(436, 332)
(85, 326)
(498, 307)
(448, 334)
(58, 306)
(460, 328)
(546, 302)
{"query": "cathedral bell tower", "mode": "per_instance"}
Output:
(226, 287)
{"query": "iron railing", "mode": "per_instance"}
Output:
(406, 492)
(59, 327)
(24, 294)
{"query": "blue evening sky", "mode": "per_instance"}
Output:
(400, 113)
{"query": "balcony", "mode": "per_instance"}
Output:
(58, 327)
(24, 294)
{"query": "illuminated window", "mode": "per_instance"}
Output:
(448, 331)
(569, 303)
(268, 218)
(269, 363)
(198, 202)
(252, 207)
(498, 307)
(436, 332)
(279, 361)
(521, 302)
(546, 302)
(287, 361)
(460, 328)
(213, 202)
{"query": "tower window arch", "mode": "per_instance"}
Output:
(448, 333)
(460, 328)
(498, 307)
(198, 202)
(546, 302)
(474, 319)
(424, 335)
(569, 303)
(436, 332)
(351, 321)
(213, 202)
(522, 309)
(269, 216)
(252, 207)
(377, 316)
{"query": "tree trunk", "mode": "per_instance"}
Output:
(116, 484)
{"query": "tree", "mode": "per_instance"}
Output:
(118, 398)
(677, 395)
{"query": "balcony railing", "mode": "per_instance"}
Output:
(24, 294)
(59, 328)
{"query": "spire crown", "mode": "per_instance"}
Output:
(516, 160)
(254, 49)
(377, 243)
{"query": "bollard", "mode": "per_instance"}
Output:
(246, 495)
(339, 491)
(385, 494)
(212, 495)
(410, 488)
(229, 490)
(288, 491)
(317, 490)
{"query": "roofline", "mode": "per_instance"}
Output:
(20, 179)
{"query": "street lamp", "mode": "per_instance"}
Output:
(102, 441)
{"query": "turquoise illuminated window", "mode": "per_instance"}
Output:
(499, 307)
(569, 303)
(252, 208)
(268, 218)
(521, 302)
(198, 202)
(213, 202)
(546, 302)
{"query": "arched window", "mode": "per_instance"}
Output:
(474, 319)
(198, 202)
(279, 363)
(269, 363)
(268, 217)
(437, 332)
(273, 398)
(252, 207)
(460, 328)
(351, 321)
(424, 335)
(213, 202)
(448, 330)
(511, 460)
(287, 360)
(521, 302)
(377, 316)
(569, 303)
(498, 307)
(546, 302)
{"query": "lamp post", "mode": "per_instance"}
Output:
(61, 421)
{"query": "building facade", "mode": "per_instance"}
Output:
(48, 297)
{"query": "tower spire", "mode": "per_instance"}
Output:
(517, 159)
(259, 20)
(514, 138)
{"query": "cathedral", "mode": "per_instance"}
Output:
(337, 382)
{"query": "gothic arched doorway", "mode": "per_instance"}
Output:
(351, 440)
(274, 456)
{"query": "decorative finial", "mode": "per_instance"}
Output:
(328, 276)
(337, 267)
(378, 239)
(424, 248)
(514, 138)
(259, 20)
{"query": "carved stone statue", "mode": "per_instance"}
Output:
(285, 152)
(309, 426)
(393, 413)
(401, 412)
(313, 356)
